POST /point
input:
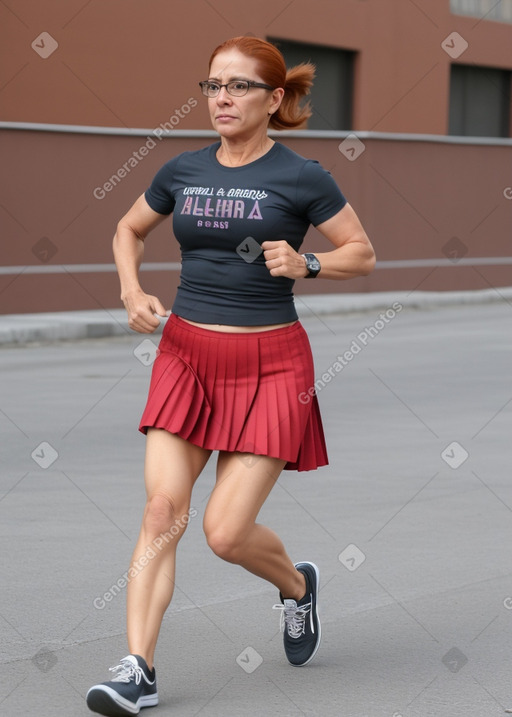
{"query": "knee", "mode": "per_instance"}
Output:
(225, 543)
(161, 518)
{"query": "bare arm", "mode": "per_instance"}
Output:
(353, 255)
(128, 249)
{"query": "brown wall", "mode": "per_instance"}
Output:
(127, 63)
(412, 196)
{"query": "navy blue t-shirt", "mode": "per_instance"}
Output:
(221, 215)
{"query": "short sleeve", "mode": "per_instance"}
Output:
(318, 195)
(159, 195)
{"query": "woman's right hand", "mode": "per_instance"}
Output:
(141, 309)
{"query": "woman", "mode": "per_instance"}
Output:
(233, 357)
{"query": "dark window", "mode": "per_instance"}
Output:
(479, 101)
(331, 94)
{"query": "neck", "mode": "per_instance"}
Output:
(237, 152)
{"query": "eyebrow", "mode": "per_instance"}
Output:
(231, 79)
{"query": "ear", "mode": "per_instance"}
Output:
(277, 98)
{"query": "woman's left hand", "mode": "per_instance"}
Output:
(282, 260)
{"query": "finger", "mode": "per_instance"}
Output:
(273, 263)
(278, 271)
(143, 320)
(142, 327)
(158, 307)
(152, 321)
(269, 244)
(276, 253)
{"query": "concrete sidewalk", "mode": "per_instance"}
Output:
(74, 325)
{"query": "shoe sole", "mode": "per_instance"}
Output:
(104, 701)
(317, 590)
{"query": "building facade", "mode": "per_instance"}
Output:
(411, 116)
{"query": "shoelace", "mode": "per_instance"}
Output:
(127, 670)
(295, 618)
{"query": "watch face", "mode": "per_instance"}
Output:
(312, 264)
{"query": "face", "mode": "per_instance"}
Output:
(240, 117)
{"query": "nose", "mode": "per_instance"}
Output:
(223, 95)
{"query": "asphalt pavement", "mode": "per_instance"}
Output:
(410, 525)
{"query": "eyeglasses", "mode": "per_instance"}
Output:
(237, 88)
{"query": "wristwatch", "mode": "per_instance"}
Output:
(312, 265)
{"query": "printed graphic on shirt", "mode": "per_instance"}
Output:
(222, 204)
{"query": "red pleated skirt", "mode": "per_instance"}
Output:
(248, 392)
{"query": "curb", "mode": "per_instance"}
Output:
(20, 329)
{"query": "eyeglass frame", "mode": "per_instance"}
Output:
(250, 83)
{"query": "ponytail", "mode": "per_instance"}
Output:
(291, 114)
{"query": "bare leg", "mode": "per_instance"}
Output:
(229, 522)
(171, 469)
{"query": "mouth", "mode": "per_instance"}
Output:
(224, 117)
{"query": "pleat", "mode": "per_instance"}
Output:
(312, 450)
(211, 372)
(247, 398)
(280, 402)
(176, 400)
(226, 417)
(240, 389)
